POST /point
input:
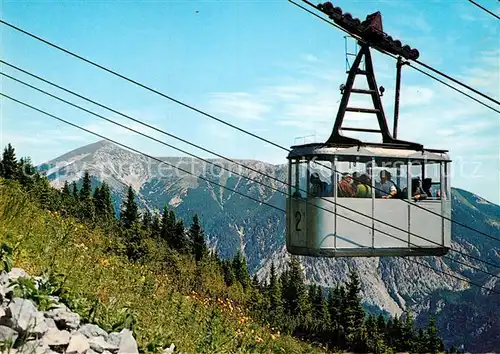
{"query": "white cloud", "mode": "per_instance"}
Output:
(311, 58)
(239, 105)
(287, 92)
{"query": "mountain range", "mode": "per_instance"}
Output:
(467, 316)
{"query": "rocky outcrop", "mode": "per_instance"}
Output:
(26, 329)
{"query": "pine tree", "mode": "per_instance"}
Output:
(179, 240)
(156, 226)
(320, 307)
(381, 326)
(86, 191)
(67, 199)
(434, 344)
(74, 190)
(129, 214)
(103, 204)
(228, 272)
(375, 342)
(274, 289)
(198, 240)
(355, 314)
(312, 296)
(108, 207)
(408, 335)
(65, 190)
(295, 292)
(9, 163)
(394, 332)
(335, 310)
(168, 227)
(133, 241)
(241, 269)
(96, 198)
(26, 172)
(147, 219)
(255, 282)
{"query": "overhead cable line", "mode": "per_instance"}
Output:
(281, 147)
(222, 157)
(409, 63)
(213, 117)
(250, 179)
(485, 9)
(219, 185)
(416, 61)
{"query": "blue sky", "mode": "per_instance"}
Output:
(265, 66)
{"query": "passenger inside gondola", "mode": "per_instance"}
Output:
(417, 192)
(426, 186)
(318, 187)
(363, 187)
(345, 186)
(386, 188)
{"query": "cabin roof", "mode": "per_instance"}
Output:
(375, 150)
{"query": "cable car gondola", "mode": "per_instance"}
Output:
(345, 195)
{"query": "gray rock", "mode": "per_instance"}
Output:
(16, 273)
(56, 338)
(169, 350)
(92, 330)
(26, 318)
(4, 278)
(63, 317)
(55, 331)
(100, 345)
(50, 323)
(7, 333)
(34, 347)
(5, 292)
(114, 338)
(128, 345)
(78, 344)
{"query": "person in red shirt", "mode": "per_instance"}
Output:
(344, 187)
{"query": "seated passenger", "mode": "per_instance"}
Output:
(344, 187)
(417, 192)
(426, 186)
(363, 188)
(386, 188)
(318, 187)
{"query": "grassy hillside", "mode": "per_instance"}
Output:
(108, 289)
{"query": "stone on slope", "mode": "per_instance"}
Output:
(114, 338)
(91, 330)
(26, 318)
(128, 345)
(63, 317)
(100, 345)
(78, 344)
(16, 273)
(56, 339)
(7, 333)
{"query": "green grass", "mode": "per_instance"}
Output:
(153, 299)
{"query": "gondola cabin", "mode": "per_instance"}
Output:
(338, 205)
(348, 197)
